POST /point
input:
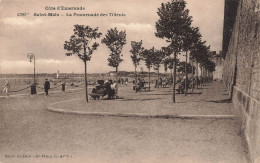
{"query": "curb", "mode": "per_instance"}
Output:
(38, 93)
(108, 114)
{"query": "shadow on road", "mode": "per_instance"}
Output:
(155, 94)
(222, 101)
(187, 101)
(129, 99)
(194, 93)
(202, 88)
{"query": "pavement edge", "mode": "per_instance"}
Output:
(51, 108)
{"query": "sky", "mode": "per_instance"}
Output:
(44, 36)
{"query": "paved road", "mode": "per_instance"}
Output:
(27, 129)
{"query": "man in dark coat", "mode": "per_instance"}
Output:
(46, 86)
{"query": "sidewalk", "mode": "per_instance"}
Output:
(210, 101)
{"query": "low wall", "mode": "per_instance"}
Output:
(249, 117)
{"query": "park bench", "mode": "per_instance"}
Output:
(97, 96)
(145, 88)
(179, 90)
(141, 88)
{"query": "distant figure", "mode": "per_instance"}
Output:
(156, 83)
(180, 85)
(46, 87)
(7, 88)
(108, 88)
(113, 89)
(201, 80)
(126, 81)
(142, 82)
(160, 82)
(57, 75)
(113, 85)
(163, 82)
(122, 81)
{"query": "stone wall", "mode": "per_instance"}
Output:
(241, 73)
(229, 20)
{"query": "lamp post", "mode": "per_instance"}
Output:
(33, 87)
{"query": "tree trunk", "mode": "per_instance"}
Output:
(171, 74)
(116, 82)
(192, 71)
(174, 78)
(85, 64)
(206, 75)
(158, 77)
(149, 78)
(86, 81)
(135, 80)
(202, 78)
(197, 70)
(186, 74)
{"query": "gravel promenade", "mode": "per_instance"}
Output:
(30, 133)
(207, 102)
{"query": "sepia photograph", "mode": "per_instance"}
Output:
(129, 81)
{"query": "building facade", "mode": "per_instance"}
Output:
(219, 61)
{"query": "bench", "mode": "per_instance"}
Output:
(145, 88)
(96, 96)
(141, 88)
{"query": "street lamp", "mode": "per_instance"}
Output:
(33, 87)
(30, 56)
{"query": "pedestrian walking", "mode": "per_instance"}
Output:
(46, 87)
(7, 88)
(126, 81)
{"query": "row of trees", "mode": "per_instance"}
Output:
(174, 25)
(81, 44)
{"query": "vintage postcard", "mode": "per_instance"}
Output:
(128, 81)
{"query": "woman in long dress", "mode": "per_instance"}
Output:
(7, 88)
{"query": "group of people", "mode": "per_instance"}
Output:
(192, 82)
(163, 82)
(108, 87)
(122, 81)
(104, 88)
(140, 84)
